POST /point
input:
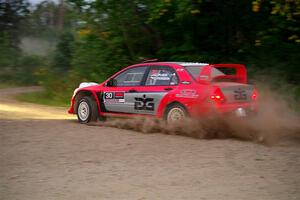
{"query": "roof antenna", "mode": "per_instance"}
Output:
(149, 60)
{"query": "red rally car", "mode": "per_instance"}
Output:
(167, 90)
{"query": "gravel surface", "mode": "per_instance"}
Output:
(45, 154)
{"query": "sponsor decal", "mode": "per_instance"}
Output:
(144, 103)
(119, 95)
(185, 82)
(187, 94)
(203, 77)
(193, 64)
(113, 97)
(240, 94)
(164, 77)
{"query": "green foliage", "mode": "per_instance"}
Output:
(43, 98)
(102, 36)
(8, 53)
(114, 34)
(63, 53)
(95, 59)
(29, 69)
(16, 67)
(12, 12)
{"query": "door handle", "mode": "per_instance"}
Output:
(132, 90)
(168, 89)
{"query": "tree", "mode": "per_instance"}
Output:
(63, 53)
(12, 12)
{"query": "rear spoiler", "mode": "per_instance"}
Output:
(240, 75)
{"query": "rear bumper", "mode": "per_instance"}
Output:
(230, 108)
(233, 109)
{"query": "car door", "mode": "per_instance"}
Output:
(160, 80)
(119, 97)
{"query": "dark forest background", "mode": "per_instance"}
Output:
(58, 45)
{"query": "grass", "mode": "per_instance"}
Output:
(7, 85)
(43, 98)
(297, 93)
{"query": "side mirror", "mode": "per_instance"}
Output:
(111, 82)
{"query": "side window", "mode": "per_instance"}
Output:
(130, 77)
(216, 72)
(162, 76)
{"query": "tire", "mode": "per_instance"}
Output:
(87, 110)
(175, 113)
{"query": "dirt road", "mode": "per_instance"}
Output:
(45, 154)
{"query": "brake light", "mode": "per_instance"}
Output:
(254, 95)
(218, 96)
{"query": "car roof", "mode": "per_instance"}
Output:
(190, 64)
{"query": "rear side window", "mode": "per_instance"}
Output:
(220, 74)
(216, 72)
(194, 71)
(131, 77)
(161, 76)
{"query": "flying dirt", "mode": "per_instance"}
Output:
(274, 122)
(46, 154)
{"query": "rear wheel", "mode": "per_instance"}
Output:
(87, 110)
(175, 113)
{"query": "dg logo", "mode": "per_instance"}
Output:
(144, 103)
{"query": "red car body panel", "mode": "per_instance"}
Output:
(196, 94)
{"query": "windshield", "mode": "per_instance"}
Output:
(194, 71)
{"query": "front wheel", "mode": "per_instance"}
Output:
(87, 110)
(175, 113)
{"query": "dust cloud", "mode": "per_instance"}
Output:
(37, 46)
(275, 121)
